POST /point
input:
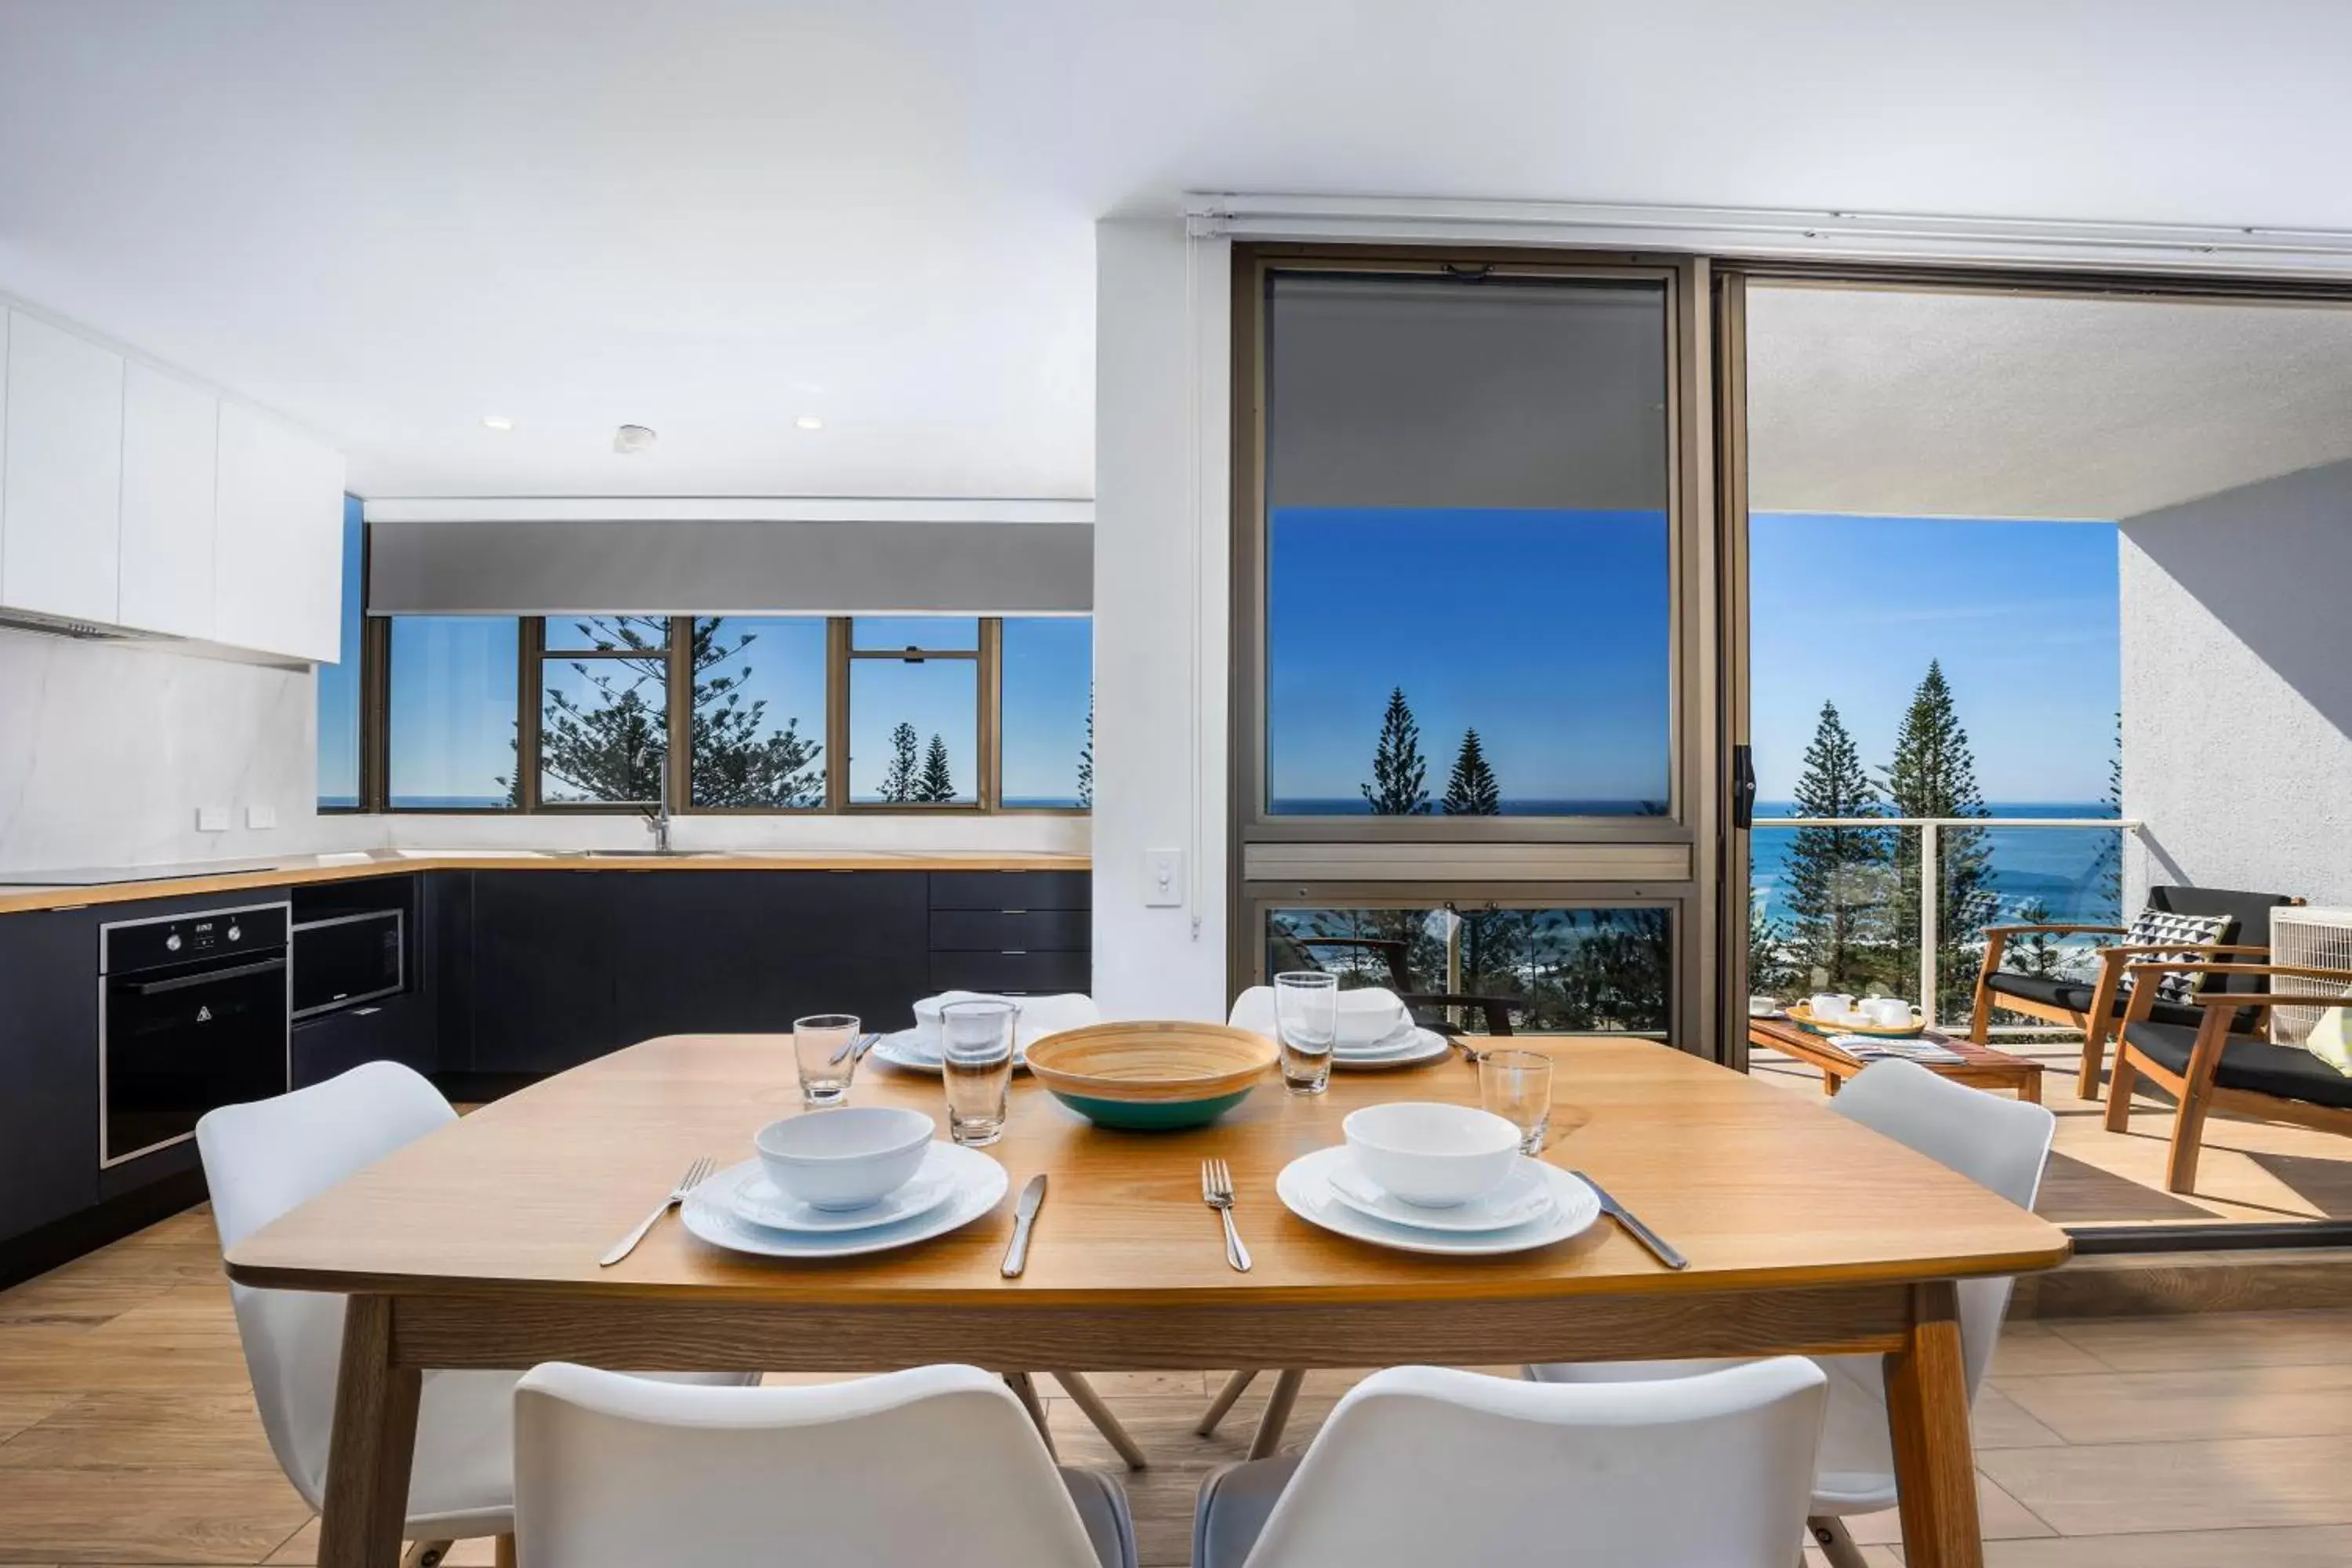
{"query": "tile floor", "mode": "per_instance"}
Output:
(128, 1434)
(2253, 1172)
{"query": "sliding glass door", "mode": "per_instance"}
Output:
(1475, 721)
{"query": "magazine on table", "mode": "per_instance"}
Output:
(1926, 1047)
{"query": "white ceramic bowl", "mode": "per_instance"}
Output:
(1435, 1155)
(927, 1012)
(1366, 1017)
(844, 1158)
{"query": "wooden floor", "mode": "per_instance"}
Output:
(2253, 1172)
(128, 1432)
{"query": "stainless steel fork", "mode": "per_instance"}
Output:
(695, 1174)
(1217, 1191)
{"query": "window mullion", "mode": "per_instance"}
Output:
(531, 644)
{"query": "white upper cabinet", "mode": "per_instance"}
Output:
(61, 491)
(171, 434)
(132, 496)
(277, 538)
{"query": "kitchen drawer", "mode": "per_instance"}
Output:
(1031, 973)
(397, 1029)
(994, 930)
(1012, 891)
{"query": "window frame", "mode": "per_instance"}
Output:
(532, 652)
(1686, 524)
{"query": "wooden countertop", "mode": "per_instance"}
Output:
(16, 897)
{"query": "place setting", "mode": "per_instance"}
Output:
(918, 1049)
(1431, 1177)
(1366, 1029)
(841, 1180)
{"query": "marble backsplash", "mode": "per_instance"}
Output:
(109, 750)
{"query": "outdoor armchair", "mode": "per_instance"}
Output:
(2096, 1003)
(2219, 1065)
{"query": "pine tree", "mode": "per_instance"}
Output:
(1086, 758)
(1400, 778)
(612, 746)
(1471, 789)
(900, 778)
(1934, 773)
(2108, 868)
(1768, 952)
(2040, 953)
(732, 762)
(936, 785)
(1837, 876)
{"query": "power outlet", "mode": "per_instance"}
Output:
(211, 819)
(1163, 877)
(262, 816)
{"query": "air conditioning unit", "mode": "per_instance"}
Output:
(2313, 939)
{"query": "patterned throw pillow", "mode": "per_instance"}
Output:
(2178, 935)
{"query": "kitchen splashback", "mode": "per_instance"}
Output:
(108, 750)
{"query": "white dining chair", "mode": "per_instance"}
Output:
(1421, 1465)
(1996, 1142)
(263, 1159)
(938, 1465)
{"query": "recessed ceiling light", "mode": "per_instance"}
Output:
(631, 439)
(809, 422)
(498, 422)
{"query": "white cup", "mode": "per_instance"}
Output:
(1831, 1006)
(1889, 1012)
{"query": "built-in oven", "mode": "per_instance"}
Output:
(344, 960)
(191, 1015)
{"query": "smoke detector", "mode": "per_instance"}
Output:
(632, 438)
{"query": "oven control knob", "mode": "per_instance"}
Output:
(172, 942)
(233, 933)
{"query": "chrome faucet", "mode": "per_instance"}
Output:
(657, 819)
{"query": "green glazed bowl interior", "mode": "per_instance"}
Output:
(1151, 1116)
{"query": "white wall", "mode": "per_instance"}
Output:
(108, 748)
(2237, 689)
(1161, 590)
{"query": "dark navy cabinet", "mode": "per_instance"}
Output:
(48, 1066)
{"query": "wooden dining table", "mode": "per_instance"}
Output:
(476, 1247)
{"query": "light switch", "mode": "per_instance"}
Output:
(211, 819)
(257, 815)
(1163, 877)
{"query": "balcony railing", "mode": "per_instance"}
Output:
(1879, 908)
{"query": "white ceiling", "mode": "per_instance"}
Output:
(1968, 405)
(390, 217)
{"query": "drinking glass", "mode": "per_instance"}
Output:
(976, 1060)
(825, 1045)
(1516, 1086)
(1305, 1025)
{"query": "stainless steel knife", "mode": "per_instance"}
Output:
(1640, 1233)
(1032, 1198)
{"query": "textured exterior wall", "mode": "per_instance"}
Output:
(2237, 689)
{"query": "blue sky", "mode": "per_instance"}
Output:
(1545, 631)
(2022, 615)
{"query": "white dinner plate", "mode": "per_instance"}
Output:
(756, 1199)
(1304, 1188)
(1407, 1047)
(1523, 1197)
(708, 1213)
(906, 1049)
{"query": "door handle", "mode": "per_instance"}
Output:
(1743, 787)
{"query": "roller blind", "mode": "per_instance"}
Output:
(529, 568)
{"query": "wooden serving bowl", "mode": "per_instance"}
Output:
(1151, 1076)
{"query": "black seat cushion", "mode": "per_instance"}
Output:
(2074, 995)
(2288, 1072)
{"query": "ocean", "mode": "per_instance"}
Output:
(2064, 869)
